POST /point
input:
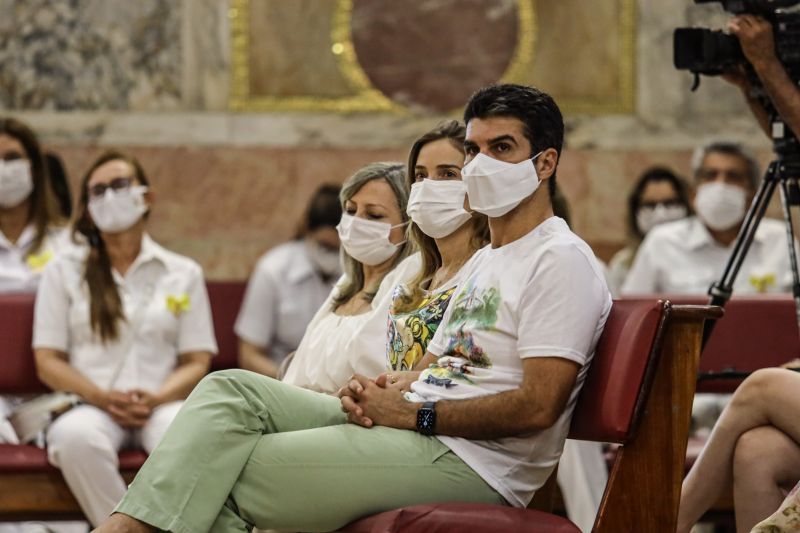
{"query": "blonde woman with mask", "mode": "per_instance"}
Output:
(447, 234)
(347, 333)
(123, 323)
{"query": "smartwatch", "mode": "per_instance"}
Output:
(426, 418)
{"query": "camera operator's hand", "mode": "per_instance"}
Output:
(738, 77)
(755, 36)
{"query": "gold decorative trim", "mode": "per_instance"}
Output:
(522, 61)
(366, 98)
(626, 69)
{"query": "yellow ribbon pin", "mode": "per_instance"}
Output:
(762, 283)
(178, 304)
(37, 262)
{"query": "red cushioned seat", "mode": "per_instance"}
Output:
(14, 458)
(462, 518)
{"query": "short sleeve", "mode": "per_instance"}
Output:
(258, 318)
(196, 326)
(643, 275)
(562, 307)
(51, 311)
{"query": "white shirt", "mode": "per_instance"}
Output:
(164, 298)
(283, 294)
(335, 347)
(682, 257)
(543, 295)
(20, 272)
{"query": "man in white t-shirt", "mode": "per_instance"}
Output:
(687, 256)
(484, 423)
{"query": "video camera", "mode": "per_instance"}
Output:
(714, 52)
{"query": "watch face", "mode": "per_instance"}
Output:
(426, 418)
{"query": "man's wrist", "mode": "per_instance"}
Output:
(410, 415)
(765, 66)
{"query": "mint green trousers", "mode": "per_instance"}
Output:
(246, 450)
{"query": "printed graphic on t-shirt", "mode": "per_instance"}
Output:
(410, 332)
(473, 309)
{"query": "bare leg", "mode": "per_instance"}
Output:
(122, 523)
(766, 465)
(768, 397)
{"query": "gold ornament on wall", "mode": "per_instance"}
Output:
(281, 73)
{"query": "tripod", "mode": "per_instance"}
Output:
(784, 172)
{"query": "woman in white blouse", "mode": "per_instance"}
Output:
(346, 334)
(31, 230)
(288, 285)
(124, 324)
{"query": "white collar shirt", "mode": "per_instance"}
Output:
(283, 295)
(167, 312)
(683, 258)
(20, 271)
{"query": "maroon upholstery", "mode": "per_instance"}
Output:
(16, 330)
(18, 375)
(756, 332)
(607, 403)
(30, 459)
(461, 518)
(226, 298)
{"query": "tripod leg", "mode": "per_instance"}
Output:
(721, 291)
(786, 203)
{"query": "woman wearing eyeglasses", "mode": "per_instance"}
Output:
(124, 324)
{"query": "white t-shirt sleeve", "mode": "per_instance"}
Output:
(643, 275)
(196, 326)
(561, 306)
(51, 312)
(257, 318)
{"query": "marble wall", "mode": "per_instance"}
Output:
(155, 77)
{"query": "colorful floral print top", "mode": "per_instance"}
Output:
(410, 332)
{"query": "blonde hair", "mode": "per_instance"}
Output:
(394, 174)
(455, 132)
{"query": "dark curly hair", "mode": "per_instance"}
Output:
(541, 118)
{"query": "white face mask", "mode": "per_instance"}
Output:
(325, 260)
(649, 217)
(720, 205)
(16, 182)
(367, 241)
(495, 187)
(437, 206)
(117, 211)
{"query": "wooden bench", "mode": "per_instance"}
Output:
(31, 487)
(638, 393)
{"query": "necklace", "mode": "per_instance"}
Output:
(442, 275)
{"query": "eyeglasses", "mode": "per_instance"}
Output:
(116, 185)
(666, 203)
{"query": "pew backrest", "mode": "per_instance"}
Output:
(17, 368)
